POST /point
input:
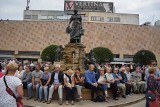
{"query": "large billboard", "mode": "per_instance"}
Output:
(88, 6)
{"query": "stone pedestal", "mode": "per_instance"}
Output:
(73, 56)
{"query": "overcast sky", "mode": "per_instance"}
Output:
(148, 10)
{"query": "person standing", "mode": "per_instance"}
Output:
(152, 87)
(13, 83)
(1, 73)
(56, 84)
(90, 81)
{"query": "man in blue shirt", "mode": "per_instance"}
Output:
(90, 81)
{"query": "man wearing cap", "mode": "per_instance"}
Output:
(56, 84)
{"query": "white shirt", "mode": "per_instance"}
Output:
(128, 75)
(67, 77)
(19, 74)
(101, 78)
(7, 100)
(109, 77)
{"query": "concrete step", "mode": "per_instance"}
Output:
(87, 103)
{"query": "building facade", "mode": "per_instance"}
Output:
(102, 17)
(27, 39)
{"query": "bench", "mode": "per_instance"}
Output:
(86, 94)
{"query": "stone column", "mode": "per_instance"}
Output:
(73, 56)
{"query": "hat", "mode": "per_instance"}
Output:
(69, 72)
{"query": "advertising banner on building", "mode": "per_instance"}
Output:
(93, 6)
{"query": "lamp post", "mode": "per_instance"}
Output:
(73, 54)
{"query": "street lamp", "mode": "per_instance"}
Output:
(73, 54)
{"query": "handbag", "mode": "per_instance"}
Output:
(10, 92)
(100, 98)
(151, 96)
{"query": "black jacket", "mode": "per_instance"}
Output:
(124, 78)
(60, 77)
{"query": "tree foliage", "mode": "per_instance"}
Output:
(103, 54)
(144, 57)
(48, 54)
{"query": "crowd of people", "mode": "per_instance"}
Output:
(45, 79)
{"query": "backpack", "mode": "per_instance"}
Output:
(100, 98)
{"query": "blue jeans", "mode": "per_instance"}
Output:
(29, 87)
(102, 87)
(45, 92)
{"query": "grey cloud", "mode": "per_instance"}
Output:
(148, 10)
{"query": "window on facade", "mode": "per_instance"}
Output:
(128, 56)
(29, 53)
(93, 18)
(35, 17)
(43, 17)
(109, 19)
(4, 52)
(27, 17)
(97, 18)
(63, 17)
(116, 55)
(116, 19)
(50, 18)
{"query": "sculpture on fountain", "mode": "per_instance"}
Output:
(75, 30)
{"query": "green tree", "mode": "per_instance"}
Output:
(48, 54)
(103, 54)
(144, 57)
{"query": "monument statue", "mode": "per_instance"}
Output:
(76, 30)
(58, 54)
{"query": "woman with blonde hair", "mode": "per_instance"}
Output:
(9, 83)
(69, 85)
(44, 84)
